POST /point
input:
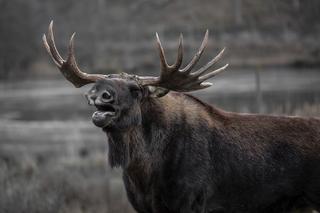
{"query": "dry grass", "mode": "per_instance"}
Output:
(82, 186)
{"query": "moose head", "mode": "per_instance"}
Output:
(117, 97)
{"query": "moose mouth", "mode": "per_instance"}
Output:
(103, 116)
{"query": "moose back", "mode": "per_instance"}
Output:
(179, 154)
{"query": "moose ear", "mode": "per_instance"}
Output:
(157, 92)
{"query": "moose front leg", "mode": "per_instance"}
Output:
(138, 200)
(177, 200)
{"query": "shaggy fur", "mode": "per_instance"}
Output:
(179, 154)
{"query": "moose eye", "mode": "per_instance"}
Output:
(106, 95)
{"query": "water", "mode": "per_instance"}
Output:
(281, 91)
(270, 91)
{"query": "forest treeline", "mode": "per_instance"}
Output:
(119, 35)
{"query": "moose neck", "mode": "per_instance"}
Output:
(125, 146)
(143, 145)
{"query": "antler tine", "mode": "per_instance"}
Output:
(45, 43)
(72, 60)
(164, 65)
(71, 55)
(53, 49)
(197, 56)
(212, 74)
(178, 62)
(183, 80)
(163, 61)
(69, 67)
(209, 64)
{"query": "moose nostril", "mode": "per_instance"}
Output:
(90, 98)
(106, 96)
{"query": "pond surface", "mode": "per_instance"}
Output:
(278, 91)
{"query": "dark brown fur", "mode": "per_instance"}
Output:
(179, 154)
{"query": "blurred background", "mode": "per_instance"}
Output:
(53, 159)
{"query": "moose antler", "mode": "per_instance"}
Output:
(69, 67)
(171, 77)
(183, 80)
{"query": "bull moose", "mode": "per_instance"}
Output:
(181, 155)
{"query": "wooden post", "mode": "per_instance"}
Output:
(258, 91)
